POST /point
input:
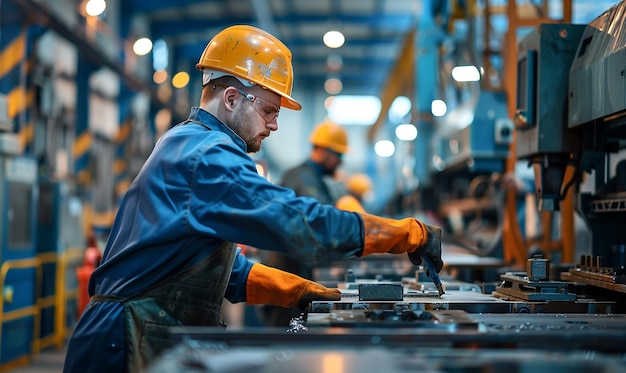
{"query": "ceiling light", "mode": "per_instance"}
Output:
(354, 110)
(160, 55)
(328, 102)
(384, 148)
(465, 74)
(142, 46)
(334, 39)
(400, 107)
(95, 7)
(406, 132)
(333, 86)
(438, 108)
(180, 80)
(334, 62)
(159, 76)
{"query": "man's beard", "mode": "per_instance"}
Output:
(243, 129)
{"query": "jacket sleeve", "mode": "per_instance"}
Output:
(236, 289)
(232, 201)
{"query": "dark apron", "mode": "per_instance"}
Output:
(192, 298)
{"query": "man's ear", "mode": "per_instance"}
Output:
(230, 97)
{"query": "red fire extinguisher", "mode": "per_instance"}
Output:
(91, 260)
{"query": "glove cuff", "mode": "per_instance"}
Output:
(383, 235)
(267, 285)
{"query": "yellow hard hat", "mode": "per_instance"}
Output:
(330, 135)
(349, 203)
(255, 55)
(359, 184)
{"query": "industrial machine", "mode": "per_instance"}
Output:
(571, 121)
(408, 326)
(468, 195)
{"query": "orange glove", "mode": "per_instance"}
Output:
(267, 285)
(383, 235)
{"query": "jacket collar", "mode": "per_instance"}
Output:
(208, 120)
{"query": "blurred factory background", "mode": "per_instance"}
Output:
(501, 121)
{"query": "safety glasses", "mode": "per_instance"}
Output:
(267, 110)
(336, 154)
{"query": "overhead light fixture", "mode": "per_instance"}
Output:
(465, 74)
(94, 8)
(438, 108)
(142, 46)
(384, 148)
(399, 109)
(159, 76)
(333, 86)
(334, 62)
(160, 55)
(334, 39)
(180, 80)
(328, 102)
(354, 109)
(406, 132)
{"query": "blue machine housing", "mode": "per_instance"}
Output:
(482, 146)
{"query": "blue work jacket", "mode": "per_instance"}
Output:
(198, 189)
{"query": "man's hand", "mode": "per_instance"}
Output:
(431, 248)
(267, 285)
(409, 235)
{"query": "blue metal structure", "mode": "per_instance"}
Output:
(18, 202)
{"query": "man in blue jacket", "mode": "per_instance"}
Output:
(171, 257)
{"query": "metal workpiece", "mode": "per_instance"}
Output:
(381, 291)
(467, 302)
(592, 266)
(518, 285)
(591, 271)
(516, 293)
(538, 269)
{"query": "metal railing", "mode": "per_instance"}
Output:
(58, 301)
(28, 311)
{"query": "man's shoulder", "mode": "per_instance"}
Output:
(297, 168)
(297, 172)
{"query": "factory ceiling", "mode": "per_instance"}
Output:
(374, 33)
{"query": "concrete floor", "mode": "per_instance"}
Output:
(50, 360)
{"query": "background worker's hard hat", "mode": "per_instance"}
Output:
(330, 135)
(255, 55)
(359, 184)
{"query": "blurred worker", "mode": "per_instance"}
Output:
(358, 186)
(171, 257)
(311, 178)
